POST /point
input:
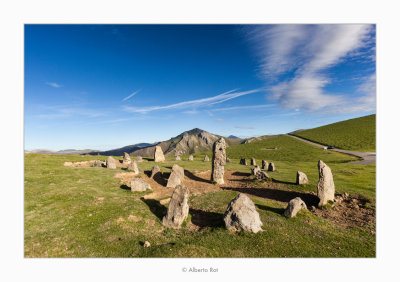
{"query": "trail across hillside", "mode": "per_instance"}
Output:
(368, 157)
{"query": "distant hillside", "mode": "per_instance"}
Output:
(61, 152)
(120, 151)
(354, 134)
(188, 142)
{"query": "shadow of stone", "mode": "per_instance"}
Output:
(238, 173)
(277, 195)
(283, 182)
(195, 178)
(204, 219)
(155, 207)
(279, 211)
(125, 187)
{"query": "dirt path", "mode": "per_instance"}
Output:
(368, 157)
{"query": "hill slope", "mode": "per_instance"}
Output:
(357, 134)
(188, 142)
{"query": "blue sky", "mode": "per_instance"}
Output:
(107, 86)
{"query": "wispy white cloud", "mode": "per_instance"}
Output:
(243, 127)
(53, 112)
(193, 104)
(219, 120)
(131, 95)
(242, 108)
(53, 84)
(306, 52)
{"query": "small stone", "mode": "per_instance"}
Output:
(110, 163)
(138, 185)
(176, 176)
(98, 163)
(228, 160)
(264, 164)
(190, 158)
(155, 170)
(178, 208)
(271, 167)
(206, 159)
(178, 158)
(261, 175)
(255, 170)
(146, 244)
(158, 154)
(241, 214)
(294, 206)
(139, 159)
(127, 159)
(243, 161)
(253, 161)
(132, 166)
(301, 178)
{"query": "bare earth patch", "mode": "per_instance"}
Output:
(348, 212)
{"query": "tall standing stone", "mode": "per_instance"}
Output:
(176, 176)
(271, 166)
(127, 159)
(241, 214)
(264, 164)
(110, 163)
(325, 186)
(132, 166)
(301, 178)
(218, 161)
(243, 161)
(253, 161)
(206, 159)
(158, 154)
(178, 208)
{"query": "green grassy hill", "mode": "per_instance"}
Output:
(357, 134)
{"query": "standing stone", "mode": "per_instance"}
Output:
(176, 176)
(110, 163)
(155, 170)
(228, 160)
(243, 161)
(301, 178)
(132, 166)
(138, 185)
(326, 186)
(127, 159)
(261, 175)
(206, 159)
(178, 158)
(241, 214)
(264, 164)
(271, 166)
(252, 161)
(158, 154)
(139, 159)
(218, 161)
(190, 158)
(255, 169)
(294, 206)
(178, 207)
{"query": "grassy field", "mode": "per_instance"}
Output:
(83, 212)
(355, 134)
